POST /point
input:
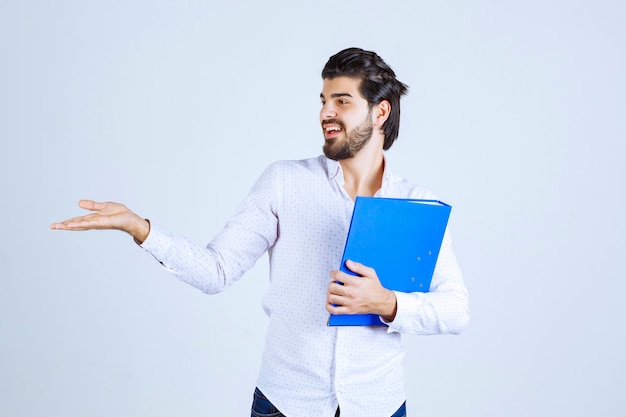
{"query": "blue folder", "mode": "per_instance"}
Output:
(400, 239)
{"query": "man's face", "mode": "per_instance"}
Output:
(346, 118)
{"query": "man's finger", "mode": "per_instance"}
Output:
(343, 278)
(336, 309)
(335, 288)
(90, 205)
(359, 268)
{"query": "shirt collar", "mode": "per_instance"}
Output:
(333, 170)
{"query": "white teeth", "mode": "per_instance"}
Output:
(329, 129)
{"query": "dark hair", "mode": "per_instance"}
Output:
(378, 83)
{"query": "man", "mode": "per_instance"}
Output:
(299, 211)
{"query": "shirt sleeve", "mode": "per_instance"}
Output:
(245, 238)
(442, 310)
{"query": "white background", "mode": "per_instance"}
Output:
(516, 117)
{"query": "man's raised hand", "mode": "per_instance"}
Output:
(107, 216)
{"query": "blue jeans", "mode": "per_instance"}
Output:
(262, 407)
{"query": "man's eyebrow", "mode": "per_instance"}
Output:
(335, 95)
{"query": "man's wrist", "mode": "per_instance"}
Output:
(390, 306)
(141, 231)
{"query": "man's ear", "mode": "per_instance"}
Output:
(381, 113)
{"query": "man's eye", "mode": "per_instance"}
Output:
(343, 102)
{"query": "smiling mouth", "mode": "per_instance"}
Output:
(331, 131)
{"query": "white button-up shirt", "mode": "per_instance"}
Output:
(299, 212)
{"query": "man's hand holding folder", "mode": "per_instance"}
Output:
(361, 294)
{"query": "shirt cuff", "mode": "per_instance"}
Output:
(407, 306)
(158, 243)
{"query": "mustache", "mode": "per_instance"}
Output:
(333, 121)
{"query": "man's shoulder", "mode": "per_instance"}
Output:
(316, 164)
(400, 187)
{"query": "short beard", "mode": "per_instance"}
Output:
(354, 141)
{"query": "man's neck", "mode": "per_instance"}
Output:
(363, 173)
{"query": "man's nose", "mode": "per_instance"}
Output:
(328, 111)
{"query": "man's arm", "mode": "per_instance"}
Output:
(107, 216)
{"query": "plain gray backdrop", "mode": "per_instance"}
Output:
(515, 116)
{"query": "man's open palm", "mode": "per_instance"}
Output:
(106, 216)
